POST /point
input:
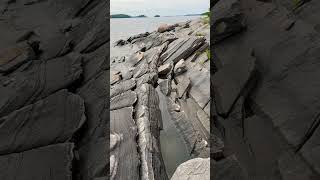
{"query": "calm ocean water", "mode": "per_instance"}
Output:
(174, 151)
(121, 28)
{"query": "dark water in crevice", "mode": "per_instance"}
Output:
(173, 149)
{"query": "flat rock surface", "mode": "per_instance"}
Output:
(43, 123)
(193, 169)
(124, 158)
(49, 162)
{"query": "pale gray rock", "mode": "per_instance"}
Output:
(194, 169)
(180, 68)
(164, 69)
(125, 99)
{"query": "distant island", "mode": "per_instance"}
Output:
(126, 16)
(120, 16)
(141, 16)
(157, 16)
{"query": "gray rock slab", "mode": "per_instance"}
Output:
(228, 169)
(12, 57)
(122, 87)
(124, 157)
(49, 162)
(48, 121)
(93, 161)
(229, 82)
(193, 169)
(37, 80)
(125, 99)
(149, 122)
(95, 94)
(182, 49)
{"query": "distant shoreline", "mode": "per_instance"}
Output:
(125, 16)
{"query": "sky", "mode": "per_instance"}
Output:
(160, 7)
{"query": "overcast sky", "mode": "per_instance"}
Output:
(161, 7)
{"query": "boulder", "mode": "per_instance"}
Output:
(194, 169)
(180, 68)
(164, 69)
(164, 27)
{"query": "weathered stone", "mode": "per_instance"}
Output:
(180, 68)
(228, 169)
(150, 78)
(13, 57)
(124, 158)
(49, 162)
(149, 123)
(229, 82)
(92, 164)
(183, 87)
(204, 119)
(181, 49)
(125, 99)
(164, 69)
(95, 94)
(165, 87)
(227, 20)
(194, 169)
(49, 121)
(115, 78)
(37, 80)
(122, 87)
(164, 27)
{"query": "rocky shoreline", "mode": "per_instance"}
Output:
(175, 58)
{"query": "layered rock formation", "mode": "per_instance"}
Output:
(176, 60)
(265, 88)
(53, 73)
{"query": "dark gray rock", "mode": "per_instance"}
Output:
(150, 78)
(49, 121)
(95, 94)
(228, 169)
(227, 20)
(13, 57)
(92, 162)
(37, 80)
(49, 162)
(230, 81)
